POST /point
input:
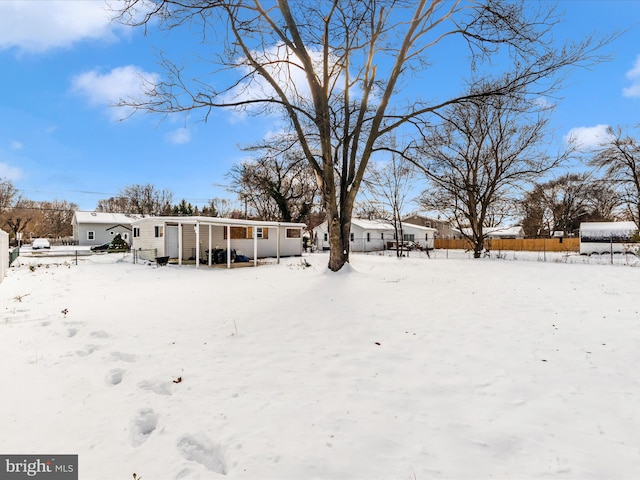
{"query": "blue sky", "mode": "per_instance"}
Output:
(63, 62)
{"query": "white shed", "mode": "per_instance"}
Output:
(196, 238)
(607, 237)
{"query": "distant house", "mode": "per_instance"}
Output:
(96, 228)
(195, 238)
(374, 235)
(443, 227)
(500, 232)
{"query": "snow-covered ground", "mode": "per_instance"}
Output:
(407, 369)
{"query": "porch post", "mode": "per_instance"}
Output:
(255, 246)
(228, 246)
(179, 244)
(210, 252)
(197, 229)
(278, 243)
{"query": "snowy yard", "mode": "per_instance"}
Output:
(405, 369)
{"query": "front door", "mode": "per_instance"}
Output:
(173, 233)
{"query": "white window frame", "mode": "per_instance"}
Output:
(158, 231)
(91, 234)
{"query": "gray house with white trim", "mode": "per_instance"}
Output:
(96, 228)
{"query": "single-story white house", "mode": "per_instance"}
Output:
(196, 238)
(374, 235)
(96, 228)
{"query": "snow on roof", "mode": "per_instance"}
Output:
(606, 229)
(372, 224)
(103, 217)
(499, 231)
(608, 226)
(193, 219)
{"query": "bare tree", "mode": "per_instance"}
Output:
(561, 204)
(278, 184)
(55, 218)
(138, 199)
(8, 194)
(479, 158)
(619, 159)
(20, 216)
(335, 70)
(389, 184)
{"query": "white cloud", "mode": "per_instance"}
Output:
(38, 26)
(179, 136)
(634, 76)
(586, 138)
(16, 145)
(121, 83)
(7, 171)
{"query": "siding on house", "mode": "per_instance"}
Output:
(105, 226)
(266, 247)
(373, 235)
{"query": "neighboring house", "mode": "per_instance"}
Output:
(424, 236)
(96, 228)
(500, 232)
(374, 235)
(191, 238)
(443, 227)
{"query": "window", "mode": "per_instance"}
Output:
(409, 237)
(294, 232)
(352, 236)
(136, 232)
(112, 232)
(236, 233)
(426, 236)
(368, 236)
(326, 237)
(382, 236)
(158, 231)
(91, 235)
(261, 232)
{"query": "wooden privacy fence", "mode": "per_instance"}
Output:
(517, 244)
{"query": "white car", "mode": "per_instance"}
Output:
(39, 243)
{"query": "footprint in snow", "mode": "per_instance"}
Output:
(125, 357)
(114, 376)
(99, 334)
(143, 425)
(161, 388)
(200, 449)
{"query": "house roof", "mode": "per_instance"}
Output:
(103, 217)
(192, 220)
(605, 229)
(499, 231)
(365, 224)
